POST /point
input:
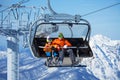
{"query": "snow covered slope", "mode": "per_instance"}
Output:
(105, 65)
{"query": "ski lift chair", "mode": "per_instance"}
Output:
(77, 33)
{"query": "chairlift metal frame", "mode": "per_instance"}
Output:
(37, 43)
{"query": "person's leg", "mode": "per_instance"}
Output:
(71, 55)
(55, 60)
(61, 56)
(49, 59)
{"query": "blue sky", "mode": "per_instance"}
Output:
(106, 22)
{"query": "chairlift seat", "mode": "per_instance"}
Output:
(77, 43)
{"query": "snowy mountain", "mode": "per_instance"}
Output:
(105, 65)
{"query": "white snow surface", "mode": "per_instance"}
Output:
(104, 65)
(106, 62)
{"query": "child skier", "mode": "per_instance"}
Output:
(50, 53)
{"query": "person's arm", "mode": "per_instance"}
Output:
(55, 43)
(67, 43)
(44, 49)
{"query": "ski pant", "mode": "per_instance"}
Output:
(66, 51)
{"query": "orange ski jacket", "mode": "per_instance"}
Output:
(48, 47)
(61, 42)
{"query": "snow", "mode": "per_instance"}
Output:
(105, 65)
(3, 54)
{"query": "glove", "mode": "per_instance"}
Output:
(58, 48)
(65, 46)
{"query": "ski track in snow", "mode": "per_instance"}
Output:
(103, 66)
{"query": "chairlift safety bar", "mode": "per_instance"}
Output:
(69, 47)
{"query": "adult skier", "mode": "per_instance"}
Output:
(61, 44)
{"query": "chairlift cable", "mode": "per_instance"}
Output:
(100, 9)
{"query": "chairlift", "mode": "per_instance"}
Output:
(75, 30)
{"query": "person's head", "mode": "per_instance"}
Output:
(49, 40)
(60, 36)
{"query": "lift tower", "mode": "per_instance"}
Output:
(14, 22)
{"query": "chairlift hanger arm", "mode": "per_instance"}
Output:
(59, 16)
